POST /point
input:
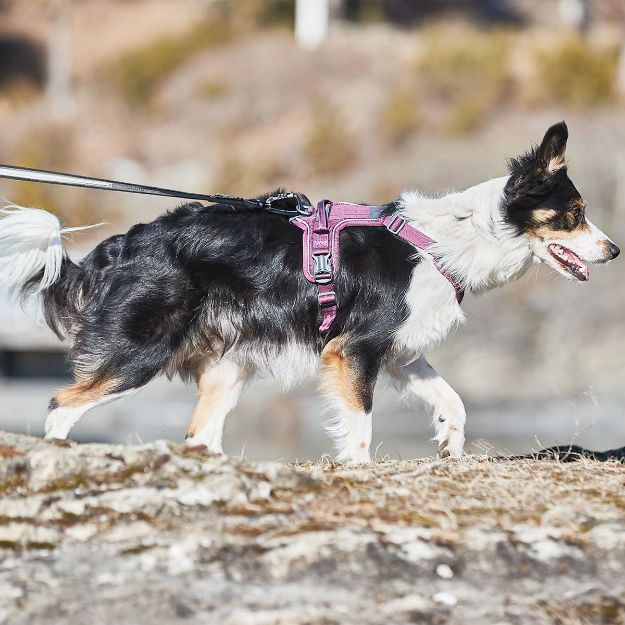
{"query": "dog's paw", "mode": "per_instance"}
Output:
(451, 448)
(196, 447)
(59, 442)
(358, 457)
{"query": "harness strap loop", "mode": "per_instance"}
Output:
(395, 225)
(327, 303)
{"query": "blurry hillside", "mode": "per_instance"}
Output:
(217, 96)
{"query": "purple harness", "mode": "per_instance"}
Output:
(321, 250)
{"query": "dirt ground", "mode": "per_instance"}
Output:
(154, 533)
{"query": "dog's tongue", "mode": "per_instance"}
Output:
(569, 256)
(573, 262)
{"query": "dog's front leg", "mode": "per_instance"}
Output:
(420, 381)
(220, 385)
(349, 372)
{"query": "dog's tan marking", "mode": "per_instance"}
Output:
(85, 391)
(341, 379)
(548, 233)
(543, 215)
(219, 384)
(211, 389)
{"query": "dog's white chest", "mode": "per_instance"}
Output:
(433, 311)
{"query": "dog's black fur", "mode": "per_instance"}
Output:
(149, 301)
(572, 453)
(533, 185)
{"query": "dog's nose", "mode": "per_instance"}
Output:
(613, 250)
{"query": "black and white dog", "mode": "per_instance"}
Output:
(218, 295)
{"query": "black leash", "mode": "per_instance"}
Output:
(282, 203)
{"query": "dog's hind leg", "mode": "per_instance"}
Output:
(131, 369)
(220, 386)
(348, 380)
(71, 403)
(419, 380)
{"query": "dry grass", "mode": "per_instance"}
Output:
(401, 115)
(53, 147)
(255, 14)
(574, 72)
(330, 148)
(138, 73)
(451, 495)
(212, 90)
(548, 526)
(466, 69)
(604, 610)
(19, 93)
(444, 496)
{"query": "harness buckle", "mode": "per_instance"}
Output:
(396, 225)
(322, 267)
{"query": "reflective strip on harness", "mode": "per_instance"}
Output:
(321, 246)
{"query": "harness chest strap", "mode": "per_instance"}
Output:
(321, 249)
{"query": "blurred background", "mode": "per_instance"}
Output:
(347, 99)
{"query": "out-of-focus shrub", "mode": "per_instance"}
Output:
(18, 93)
(138, 73)
(54, 147)
(468, 113)
(466, 69)
(50, 147)
(232, 175)
(460, 58)
(253, 14)
(574, 72)
(249, 177)
(330, 148)
(363, 10)
(400, 116)
(213, 89)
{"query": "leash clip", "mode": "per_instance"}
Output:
(299, 209)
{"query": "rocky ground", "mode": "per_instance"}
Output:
(159, 534)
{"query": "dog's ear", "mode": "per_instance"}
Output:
(551, 153)
(533, 173)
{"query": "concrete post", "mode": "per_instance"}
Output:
(312, 18)
(60, 61)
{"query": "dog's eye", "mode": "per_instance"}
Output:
(577, 213)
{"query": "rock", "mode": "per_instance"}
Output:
(161, 534)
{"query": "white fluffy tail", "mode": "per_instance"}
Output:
(30, 241)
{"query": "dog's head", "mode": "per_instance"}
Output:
(542, 204)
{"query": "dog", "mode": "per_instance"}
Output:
(217, 295)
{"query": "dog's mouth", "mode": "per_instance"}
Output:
(569, 261)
